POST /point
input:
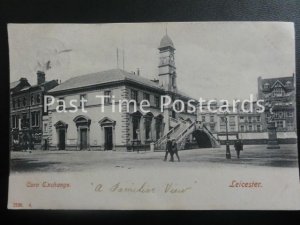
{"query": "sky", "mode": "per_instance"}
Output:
(214, 60)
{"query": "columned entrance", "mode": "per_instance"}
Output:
(83, 132)
(108, 133)
(61, 130)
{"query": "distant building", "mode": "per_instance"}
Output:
(280, 101)
(26, 110)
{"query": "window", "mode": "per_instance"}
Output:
(290, 125)
(290, 114)
(212, 119)
(32, 99)
(258, 118)
(135, 127)
(82, 100)
(278, 91)
(157, 101)
(134, 95)
(107, 99)
(250, 119)
(25, 122)
(232, 128)
(242, 128)
(242, 118)
(35, 119)
(14, 103)
(19, 103)
(203, 118)
(45, 127)
(61, 103)
(15, 121)
(279, 124)
(250, 128)
(38, 99)
(266, 85)
(148, 121)
(222, 119)
(158, 127)
(288, 84)
(24, 101)
(212, 127)
(146, 96)
(258, 128)
(280, 114)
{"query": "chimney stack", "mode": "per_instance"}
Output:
(41, 77)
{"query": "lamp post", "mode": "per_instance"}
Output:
(228, 155)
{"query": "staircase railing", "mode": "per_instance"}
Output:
(181, 138)
(163, 139)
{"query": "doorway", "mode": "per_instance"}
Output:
(83, 138)
(108, 145)
(62, 139)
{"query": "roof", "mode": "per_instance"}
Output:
(166, 42)
(108, 76)
(282, 80)
(14, 84)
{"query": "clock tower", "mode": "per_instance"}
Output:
(166, 67)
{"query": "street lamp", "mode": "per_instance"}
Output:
(228, 155)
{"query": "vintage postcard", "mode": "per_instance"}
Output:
(163, 116)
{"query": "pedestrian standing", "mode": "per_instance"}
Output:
(175, 150)
(168, 149)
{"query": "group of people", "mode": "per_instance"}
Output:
(171, 148)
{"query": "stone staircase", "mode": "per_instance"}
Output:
(181, 133)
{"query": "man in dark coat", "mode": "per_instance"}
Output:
(169, 149)
(238, 147)
(175, 150)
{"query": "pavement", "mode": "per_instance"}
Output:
(68, 161)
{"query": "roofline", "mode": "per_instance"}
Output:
(114, 83)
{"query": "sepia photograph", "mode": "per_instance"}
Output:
(162, 116)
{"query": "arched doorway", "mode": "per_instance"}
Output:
(61, 130)
(108, 128)
(159, 126)
(148, 126)
(83, 132)
(202, 139)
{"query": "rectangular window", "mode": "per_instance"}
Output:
(250, 128)
(258, 118)
(61, 103)
(146, 96)
(212, 127)
(14, 103)
(32, 100)
(280, 124)
(19, 103)
(13, 118)
(45, 127)
(242, 128)
(82, 97)
(258, 128)
(134, 95)
(157, 101)
(242, 118)
(35, 119)
(203, 118)
(212, 119)
(290, 114)
(107, 99)
(250, 119)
